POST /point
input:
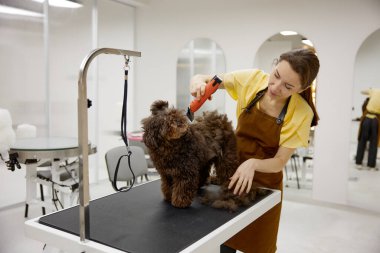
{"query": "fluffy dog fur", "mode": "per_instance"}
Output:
(184, 153)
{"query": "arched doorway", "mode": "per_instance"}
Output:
(265, 58)
(363, 185)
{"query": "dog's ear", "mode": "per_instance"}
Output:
(150, 136)
(158, 105)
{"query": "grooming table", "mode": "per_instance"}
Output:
(141, 221)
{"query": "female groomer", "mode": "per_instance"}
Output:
(275, 112)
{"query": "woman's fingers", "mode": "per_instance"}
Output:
(200, 91)
(249, 186)
(232, 182)
(239, 186)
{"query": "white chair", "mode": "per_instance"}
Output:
(138, 164)
(26, 131)
(7, 136)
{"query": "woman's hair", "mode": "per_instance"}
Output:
(306, 64)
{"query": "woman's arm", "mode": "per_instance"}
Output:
(243, 177)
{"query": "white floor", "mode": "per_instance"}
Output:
(306, 226)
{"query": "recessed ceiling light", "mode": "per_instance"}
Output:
(16, 11)
(307, 42)
(288, 33)
(62, 3)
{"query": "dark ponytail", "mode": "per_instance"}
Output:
(308, 96)
(306, 64)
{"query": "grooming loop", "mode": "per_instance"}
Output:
(127, 59)
(84, 208)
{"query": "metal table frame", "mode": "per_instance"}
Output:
(84, 195)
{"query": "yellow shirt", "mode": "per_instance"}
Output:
(243, 86)
(373, 105)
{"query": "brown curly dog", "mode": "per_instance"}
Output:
(183, 153)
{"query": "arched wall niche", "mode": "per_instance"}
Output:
(360, 193)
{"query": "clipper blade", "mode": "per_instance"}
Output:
(190, 114)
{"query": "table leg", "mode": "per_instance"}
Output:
(31, 190)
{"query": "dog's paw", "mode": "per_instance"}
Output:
(181, 202)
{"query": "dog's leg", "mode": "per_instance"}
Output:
(166, 188)
(184, 192)
(227, 162)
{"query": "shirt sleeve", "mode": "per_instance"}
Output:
(297, 123)
(243, 85)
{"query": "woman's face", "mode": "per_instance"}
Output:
(283, 81)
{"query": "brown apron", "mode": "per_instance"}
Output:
(361, 123)
(258, 136)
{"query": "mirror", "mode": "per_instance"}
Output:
(363, 185)
(299, 170)
(199, 56)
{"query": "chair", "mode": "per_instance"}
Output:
(139, 143)
(294, 164)
(138, 164)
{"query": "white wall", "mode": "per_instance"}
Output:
(23, 88)
(337, 29)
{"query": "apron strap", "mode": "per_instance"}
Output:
(281, 117)
(258, 96)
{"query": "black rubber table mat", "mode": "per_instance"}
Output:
(141, 221)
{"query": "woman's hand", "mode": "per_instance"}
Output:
(198, 85)
(243, 177)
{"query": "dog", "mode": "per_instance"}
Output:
(184, 153)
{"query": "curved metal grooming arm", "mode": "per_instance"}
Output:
(84, 209)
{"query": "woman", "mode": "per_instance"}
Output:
(275, 113)
(369, 129)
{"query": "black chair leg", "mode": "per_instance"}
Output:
(26, 210)
(42, 198)
(293, 161)
(286, 176)
(298, 183)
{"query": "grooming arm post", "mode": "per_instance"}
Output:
(84, 196)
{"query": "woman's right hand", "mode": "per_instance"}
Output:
(198, 85)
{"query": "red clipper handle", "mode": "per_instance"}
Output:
(211, 87)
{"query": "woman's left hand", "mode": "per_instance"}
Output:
(243, 177)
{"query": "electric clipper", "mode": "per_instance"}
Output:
(211, 87)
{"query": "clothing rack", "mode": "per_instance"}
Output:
(84, 197)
